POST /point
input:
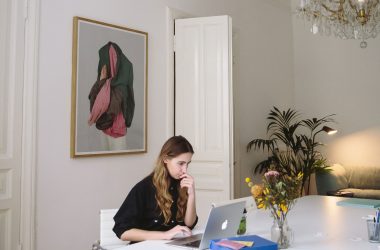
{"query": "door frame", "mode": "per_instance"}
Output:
(171, 15)
(29, 126)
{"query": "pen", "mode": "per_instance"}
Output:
(376, 223)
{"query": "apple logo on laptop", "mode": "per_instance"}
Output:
(224, 225)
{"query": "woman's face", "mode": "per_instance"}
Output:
(177, 166)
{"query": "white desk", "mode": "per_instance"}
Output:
(317, 222)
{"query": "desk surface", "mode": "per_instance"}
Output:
(317, 222)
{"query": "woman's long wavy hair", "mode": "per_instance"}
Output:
(172, 148)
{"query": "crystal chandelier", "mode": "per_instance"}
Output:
(346, 19)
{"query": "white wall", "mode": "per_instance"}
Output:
(70, 192)
(263, 76)
(334, 76)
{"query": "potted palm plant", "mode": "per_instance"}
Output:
(292, 146)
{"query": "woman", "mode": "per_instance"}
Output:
(162, 205)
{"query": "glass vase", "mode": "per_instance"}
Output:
(282, 233)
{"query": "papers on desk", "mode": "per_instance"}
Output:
(257, 243)
(357, 202)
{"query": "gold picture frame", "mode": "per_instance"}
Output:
(109, 89)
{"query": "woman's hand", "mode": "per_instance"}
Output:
(188, 181)
(191, 214)
(177, 230)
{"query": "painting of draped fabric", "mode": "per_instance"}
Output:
(109, 89)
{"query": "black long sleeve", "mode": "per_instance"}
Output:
(140, 209)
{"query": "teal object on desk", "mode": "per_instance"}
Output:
(357, 202)
(259, 243)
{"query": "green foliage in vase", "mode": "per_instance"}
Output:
(292, 147)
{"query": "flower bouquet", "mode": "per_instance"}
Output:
(277, 193)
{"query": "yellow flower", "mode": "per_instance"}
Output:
(256, 190)
(284, 208)
(279, 198)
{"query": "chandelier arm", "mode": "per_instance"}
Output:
(340, 8)
(352, 5)
(336, 14)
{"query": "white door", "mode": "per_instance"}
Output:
(203, 105)
(11, 96)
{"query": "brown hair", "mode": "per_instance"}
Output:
(173, 147)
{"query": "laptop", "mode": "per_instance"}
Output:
(223, 221)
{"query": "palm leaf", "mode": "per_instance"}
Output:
(258, 144)
(301, 154)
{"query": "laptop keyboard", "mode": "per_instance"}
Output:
(193, 243)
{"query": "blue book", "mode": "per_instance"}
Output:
(357, 202)
(259, 243)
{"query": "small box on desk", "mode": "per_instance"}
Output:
(259, 243)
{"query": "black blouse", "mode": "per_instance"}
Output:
(140, 209)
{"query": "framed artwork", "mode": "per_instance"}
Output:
(109, 89)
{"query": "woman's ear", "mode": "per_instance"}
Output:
(166, 159)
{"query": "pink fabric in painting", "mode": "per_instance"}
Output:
(101, 103)
(118, 128)
(102, 100)
(113, 61)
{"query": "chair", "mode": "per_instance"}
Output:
(108, 239)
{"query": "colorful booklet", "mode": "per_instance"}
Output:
(357, 202)
(249, 241)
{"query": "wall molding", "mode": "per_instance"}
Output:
(29, 130)
(170, 16)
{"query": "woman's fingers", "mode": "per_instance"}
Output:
(179, 231)
(185, 230)
(185, 178)
(188, 182)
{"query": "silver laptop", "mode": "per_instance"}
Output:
(223, 221)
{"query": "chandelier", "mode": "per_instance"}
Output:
(346, 19)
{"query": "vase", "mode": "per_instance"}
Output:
(282, 233)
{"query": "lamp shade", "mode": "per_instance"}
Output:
(329, 131)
